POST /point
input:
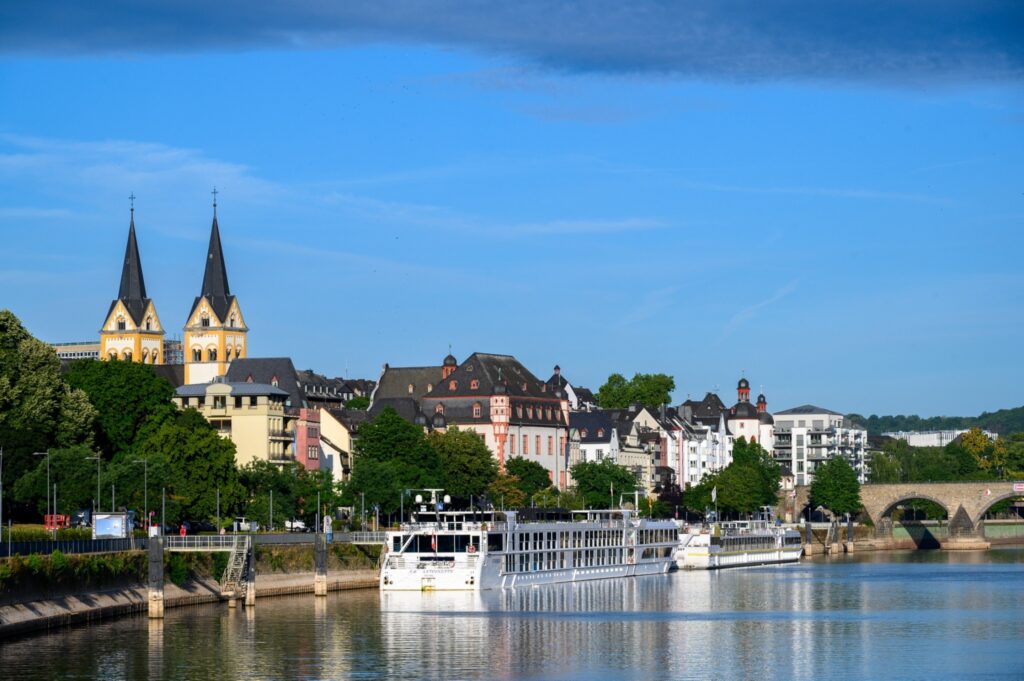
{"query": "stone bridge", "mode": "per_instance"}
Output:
(965, 503)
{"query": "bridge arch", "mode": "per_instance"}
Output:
(911, 496)
(993, 500)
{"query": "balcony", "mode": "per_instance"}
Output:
(280, 435)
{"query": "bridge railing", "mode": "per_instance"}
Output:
(366, 537)
(201, 542)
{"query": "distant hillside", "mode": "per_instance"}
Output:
(1003, 422)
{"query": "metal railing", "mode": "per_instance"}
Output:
(202, 542)
(367, 537)
(24, 548)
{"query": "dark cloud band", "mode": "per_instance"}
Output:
(898, 41)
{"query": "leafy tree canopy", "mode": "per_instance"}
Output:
(1003, 422)
(835, 487)
(602, 483)
(505, 492)
(295, 492)
(467, 464)
(531, 476)
(32, 396)
(360, 402)
(650, 390)
(125, 395)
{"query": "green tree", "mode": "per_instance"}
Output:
(74, 475)
(402, 459)
(531, 476)
(650, 390)
(467, 464)
(125, 395)
(190, 459)
(753, 456)
(835, 487)
(505, 492)
(31, 390)
(360, 402)
(740, 489)
(602, 483)
(295, 492)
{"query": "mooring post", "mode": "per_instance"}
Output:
(250, 573)
(808, 538)
(156, 577)
(320, 562)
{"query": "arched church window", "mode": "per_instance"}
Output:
(211, 354)
(232, 322)
(149, 323)
(197, 355)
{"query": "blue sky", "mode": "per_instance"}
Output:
(828, 201)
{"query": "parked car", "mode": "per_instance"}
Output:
(296, 525)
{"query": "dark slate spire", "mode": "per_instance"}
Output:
(133, 286)
(215, 280)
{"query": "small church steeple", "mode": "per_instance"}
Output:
(215, 333)
(132, 329)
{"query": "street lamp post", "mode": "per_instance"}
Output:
(47, 455)
(362, 511)
(145, 489)
(96, 505)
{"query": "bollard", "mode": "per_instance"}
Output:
(320, 564)
(156, 578)
(250, 573)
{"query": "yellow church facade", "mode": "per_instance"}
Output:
(215, 332)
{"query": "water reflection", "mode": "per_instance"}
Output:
(938, 615)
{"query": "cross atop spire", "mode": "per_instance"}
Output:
(132, 199)
(215, 192)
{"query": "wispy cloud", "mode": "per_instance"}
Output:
(749, 312)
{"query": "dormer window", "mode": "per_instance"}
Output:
(273, 381)
(547, 413)
(476, 410)
(469, 368)
(248, 378)
(529, 412)
(519, 411)
(452, 385)
(583, 433)
(474, 384)
(439, 409)
(600, 432)
(430, 387)
(409, 389)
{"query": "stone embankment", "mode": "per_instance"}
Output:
(35, 614)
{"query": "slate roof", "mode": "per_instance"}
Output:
(394, 382)
(174, 373)
(132, 291)
(743, 410)
(215, 278)
(807, 409)
(263, 370)
(707, 411)
(350, 418)
(406, 407)
(489, 371)
(591, 422)
(237, 389)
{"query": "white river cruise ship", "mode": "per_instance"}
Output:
(460, 550)
(742, 543)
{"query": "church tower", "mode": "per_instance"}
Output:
(215, 332)
(132, 330)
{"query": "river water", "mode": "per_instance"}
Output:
(899, 615)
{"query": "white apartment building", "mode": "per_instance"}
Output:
(704, 450)
(807, 436)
